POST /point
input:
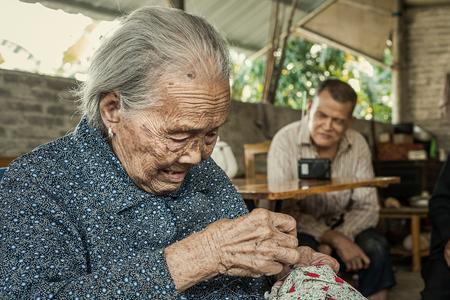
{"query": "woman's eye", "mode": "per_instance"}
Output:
(179, 140)
(176, 143)
(210, 137)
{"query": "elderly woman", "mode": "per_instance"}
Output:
(130, 205)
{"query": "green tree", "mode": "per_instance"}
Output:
(306, 64)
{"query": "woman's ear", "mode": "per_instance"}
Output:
(110, 108)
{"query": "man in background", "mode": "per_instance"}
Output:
(339, 222)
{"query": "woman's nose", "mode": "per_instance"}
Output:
(193, 154)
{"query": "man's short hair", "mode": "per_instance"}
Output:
(339, 90)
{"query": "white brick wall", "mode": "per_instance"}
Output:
(427, 62)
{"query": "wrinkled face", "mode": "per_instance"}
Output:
(158, 145)
(329, 119)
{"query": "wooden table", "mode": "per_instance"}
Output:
(258, 189)
(414, 214)
(5, 161)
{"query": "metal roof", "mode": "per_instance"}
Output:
(244, 23)
(358, 26)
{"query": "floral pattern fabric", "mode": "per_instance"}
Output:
(313, 283)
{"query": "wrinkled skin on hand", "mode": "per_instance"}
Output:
(257, 244)
(309, 257)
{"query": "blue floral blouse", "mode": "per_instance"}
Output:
(75, 226)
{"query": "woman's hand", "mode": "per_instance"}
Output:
(309, 257)
(254, 245)
(257, 244)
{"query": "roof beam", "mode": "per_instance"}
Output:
(367, 7)
(426, 3)
(302, 21)
(177, 4)
(81, 6)
(243, 45)
(312, 35)
(302, 5)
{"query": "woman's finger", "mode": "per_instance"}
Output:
(306, 256)
(284, 223)
(239, 272)
(285, 240)
(272, 268)
(255, 265)
(319, 258)
(287, 256)
(335, 265)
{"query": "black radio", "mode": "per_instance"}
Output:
(310, 168)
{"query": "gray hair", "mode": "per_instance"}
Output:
(152, 43)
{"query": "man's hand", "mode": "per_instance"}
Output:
(447, 253)
(351, 254)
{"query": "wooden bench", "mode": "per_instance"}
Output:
(414, 214)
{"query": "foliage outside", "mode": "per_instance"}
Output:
(307, 64)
